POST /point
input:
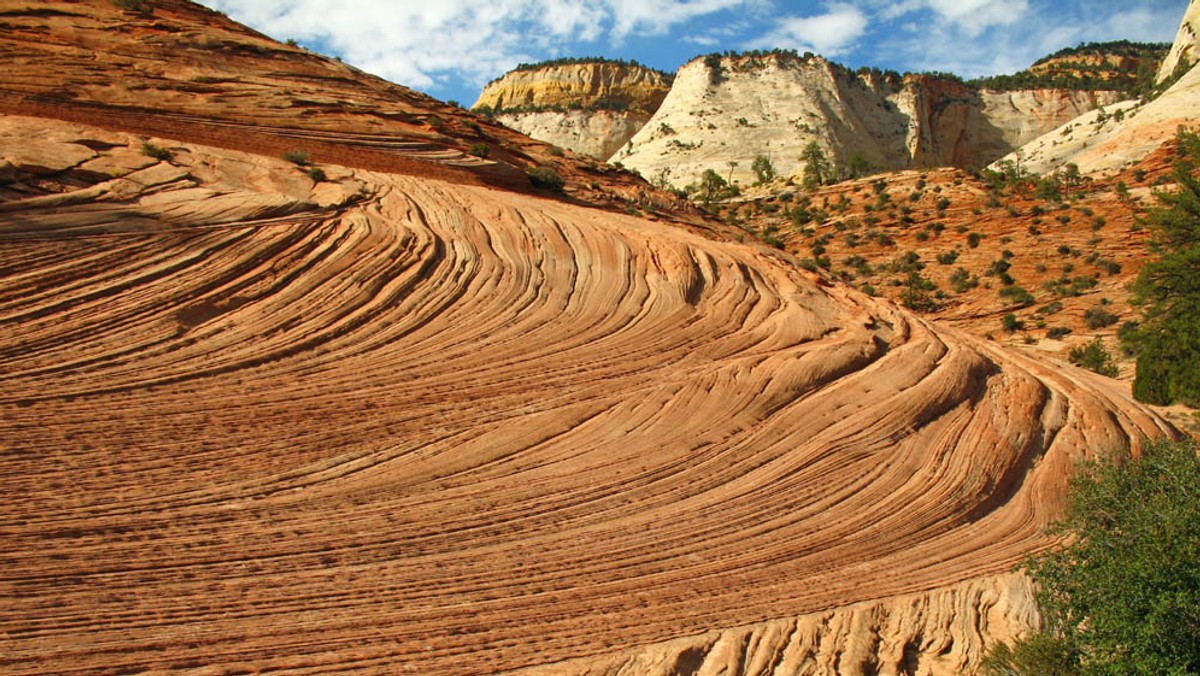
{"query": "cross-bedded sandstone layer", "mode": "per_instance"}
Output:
(380, 423)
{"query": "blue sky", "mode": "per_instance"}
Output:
(451, 48)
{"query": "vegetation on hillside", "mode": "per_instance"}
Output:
(1138, 50)
(1123, 595)
(1083, 68)
(1167, 341)
(584, 60)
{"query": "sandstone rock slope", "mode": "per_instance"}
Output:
(1184, 52)
(592, 107)
(382, 422)
(256, 418)
(183, 71)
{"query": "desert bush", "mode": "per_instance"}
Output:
(1120, 596)
(1098, 317)
(156, 152)
(1018, 295)
(1057, 332)
(1010, 323)
(1094, 357)
(546, 177)
(299, 158)
(1167, 340)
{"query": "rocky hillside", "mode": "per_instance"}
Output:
(590, 106)
(180, 70)
(1117, 65)
(723, 111)
(1108, 140)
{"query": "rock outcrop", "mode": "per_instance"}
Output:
(590, 107)
(722, 113)
(596, 133)
(1186, 49)
(941, 633)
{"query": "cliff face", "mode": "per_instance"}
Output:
(1185, 49)
(595, 133)
(591, 108)
(722, 118)
(577, 84)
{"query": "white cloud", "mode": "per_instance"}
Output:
(828, 34)
(420, 43)
(972, 17)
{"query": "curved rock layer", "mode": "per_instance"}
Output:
(182, 71)
(941, 632)
(384, 424)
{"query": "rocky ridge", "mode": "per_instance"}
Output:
(1109, 139)
(180, 70)
(723, 112)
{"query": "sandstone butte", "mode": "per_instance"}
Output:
(722, 113)
(591, 107)
(405, 419)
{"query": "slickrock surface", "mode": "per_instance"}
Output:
(387, 424)
(938, 633)
(775, 105)
(183, 71)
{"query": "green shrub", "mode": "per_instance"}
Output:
(1018, 295)
(480, 150)
(546, 177)
(1098, 318)
(156, 152)
(1094, 357)
(948, 257)
(1168, 289)
(1121, 596)
(299, 158)
(1057, 332)
(317, 174)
